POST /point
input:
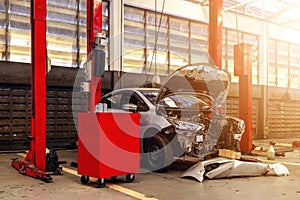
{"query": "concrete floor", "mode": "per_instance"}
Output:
(149, 186)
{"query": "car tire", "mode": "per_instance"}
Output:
(158, 153)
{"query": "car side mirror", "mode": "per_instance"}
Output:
(130, 107)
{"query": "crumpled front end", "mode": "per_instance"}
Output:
(189, 136)
(198, 140)
(231, 134)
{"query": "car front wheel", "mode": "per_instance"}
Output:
(158, 153)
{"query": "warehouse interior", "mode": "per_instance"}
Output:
(52, 80)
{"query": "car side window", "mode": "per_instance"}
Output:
(112, 101)
(141, 105)
(133, 98)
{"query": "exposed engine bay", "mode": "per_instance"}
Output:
(193, 127)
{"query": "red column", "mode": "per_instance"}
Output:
(94, 21)
(245, 110)
(215, 32)
(38, 84)
(243, 69)
(94, 26)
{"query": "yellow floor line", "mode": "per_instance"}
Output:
(109, 185)
(115, 187)
(130, 192)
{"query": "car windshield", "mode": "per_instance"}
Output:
(150, 95)
(186, 101)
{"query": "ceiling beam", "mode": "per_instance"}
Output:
(238, 5)
(286, 9)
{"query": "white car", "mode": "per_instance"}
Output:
(180, 118)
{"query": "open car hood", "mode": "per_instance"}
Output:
(203, 78)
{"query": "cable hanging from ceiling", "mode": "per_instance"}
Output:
(154, 52)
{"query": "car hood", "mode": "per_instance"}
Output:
(203, 78)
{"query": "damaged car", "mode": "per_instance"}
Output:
(185, 116)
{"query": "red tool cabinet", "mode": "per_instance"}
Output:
(108, 146)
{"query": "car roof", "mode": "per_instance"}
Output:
(148, 89)
(157, 90)
(136, 89)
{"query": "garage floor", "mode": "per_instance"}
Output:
(151, 185)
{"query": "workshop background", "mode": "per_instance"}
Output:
(270, 27)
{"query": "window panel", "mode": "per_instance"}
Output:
(2, 33)
(230, 38)
(272, 69)
(282, 64)
(179, 43)
(62, 26)
(134, 40)
(253, 41)
(2, 29)
(19, 42)
(294, 66)
(157, 37)
(199, 43)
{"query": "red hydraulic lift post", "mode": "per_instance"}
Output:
(243, 69)
(94, 26)
(38, 83)
(37, 153)
(215, 32)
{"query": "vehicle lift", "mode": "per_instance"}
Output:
(37, 163)
(108, 142)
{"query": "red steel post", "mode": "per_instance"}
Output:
(94, 22)
(215, 32)
(38, 84)
(245, 111)
(94, 26)
(245, 106)
(243, 69)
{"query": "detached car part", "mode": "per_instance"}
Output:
(223, 168)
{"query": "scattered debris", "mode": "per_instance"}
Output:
(259, 151)
(229, 154)
(248, 158)
(296, 144)
(223, 168)
(271, 152)
(280, 150)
